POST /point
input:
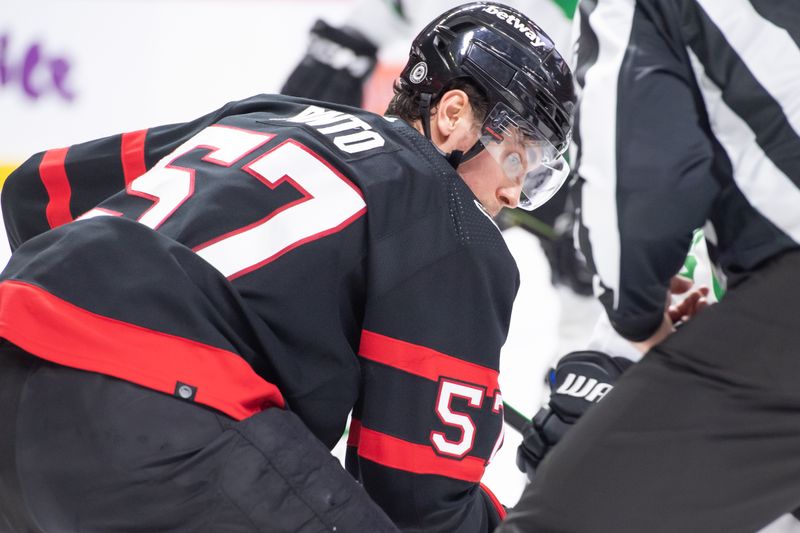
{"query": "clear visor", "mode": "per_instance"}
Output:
(525, 156)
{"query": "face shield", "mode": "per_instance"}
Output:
(525, 156)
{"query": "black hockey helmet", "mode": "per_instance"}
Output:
(528, 85)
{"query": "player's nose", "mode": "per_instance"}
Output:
(509, 196)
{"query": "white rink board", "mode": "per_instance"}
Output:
(133, 64)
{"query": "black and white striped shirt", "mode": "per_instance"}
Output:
(689, 117)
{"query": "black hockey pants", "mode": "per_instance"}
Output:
(84, 452)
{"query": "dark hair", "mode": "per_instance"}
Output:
(405, 103)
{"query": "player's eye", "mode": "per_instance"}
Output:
(513, 166)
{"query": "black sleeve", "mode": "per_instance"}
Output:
(645, 159)
(429, 418)
(54, 187)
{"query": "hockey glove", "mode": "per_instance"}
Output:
(579, 380)
(335, 66)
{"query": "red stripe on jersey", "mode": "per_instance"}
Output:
(132, 153)
(355, 432)
(417, 458)
(58, 331)
(501, 511)
(54, 177)
(422, 361)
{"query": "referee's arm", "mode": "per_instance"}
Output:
(645, 177)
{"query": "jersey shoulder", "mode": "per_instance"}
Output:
(403, 178)
(349, 133)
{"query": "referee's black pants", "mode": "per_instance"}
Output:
(84, 452)
(702, 436)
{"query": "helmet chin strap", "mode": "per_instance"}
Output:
(425, 114)
(456, 157)
(472, 152)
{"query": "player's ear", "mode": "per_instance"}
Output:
(453, 112)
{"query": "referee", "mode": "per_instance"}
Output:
(689, 117)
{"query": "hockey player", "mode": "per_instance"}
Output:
(192, 311)
(353, 64)
(689, 115)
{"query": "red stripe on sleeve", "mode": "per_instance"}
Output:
(501, 511)
(422, 361)
(355, 433)
(417, 458)
(133, 163)
(58, 331)
(54, 177)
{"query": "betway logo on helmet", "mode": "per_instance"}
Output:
(520, 25)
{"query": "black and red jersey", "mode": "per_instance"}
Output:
(279, 252)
